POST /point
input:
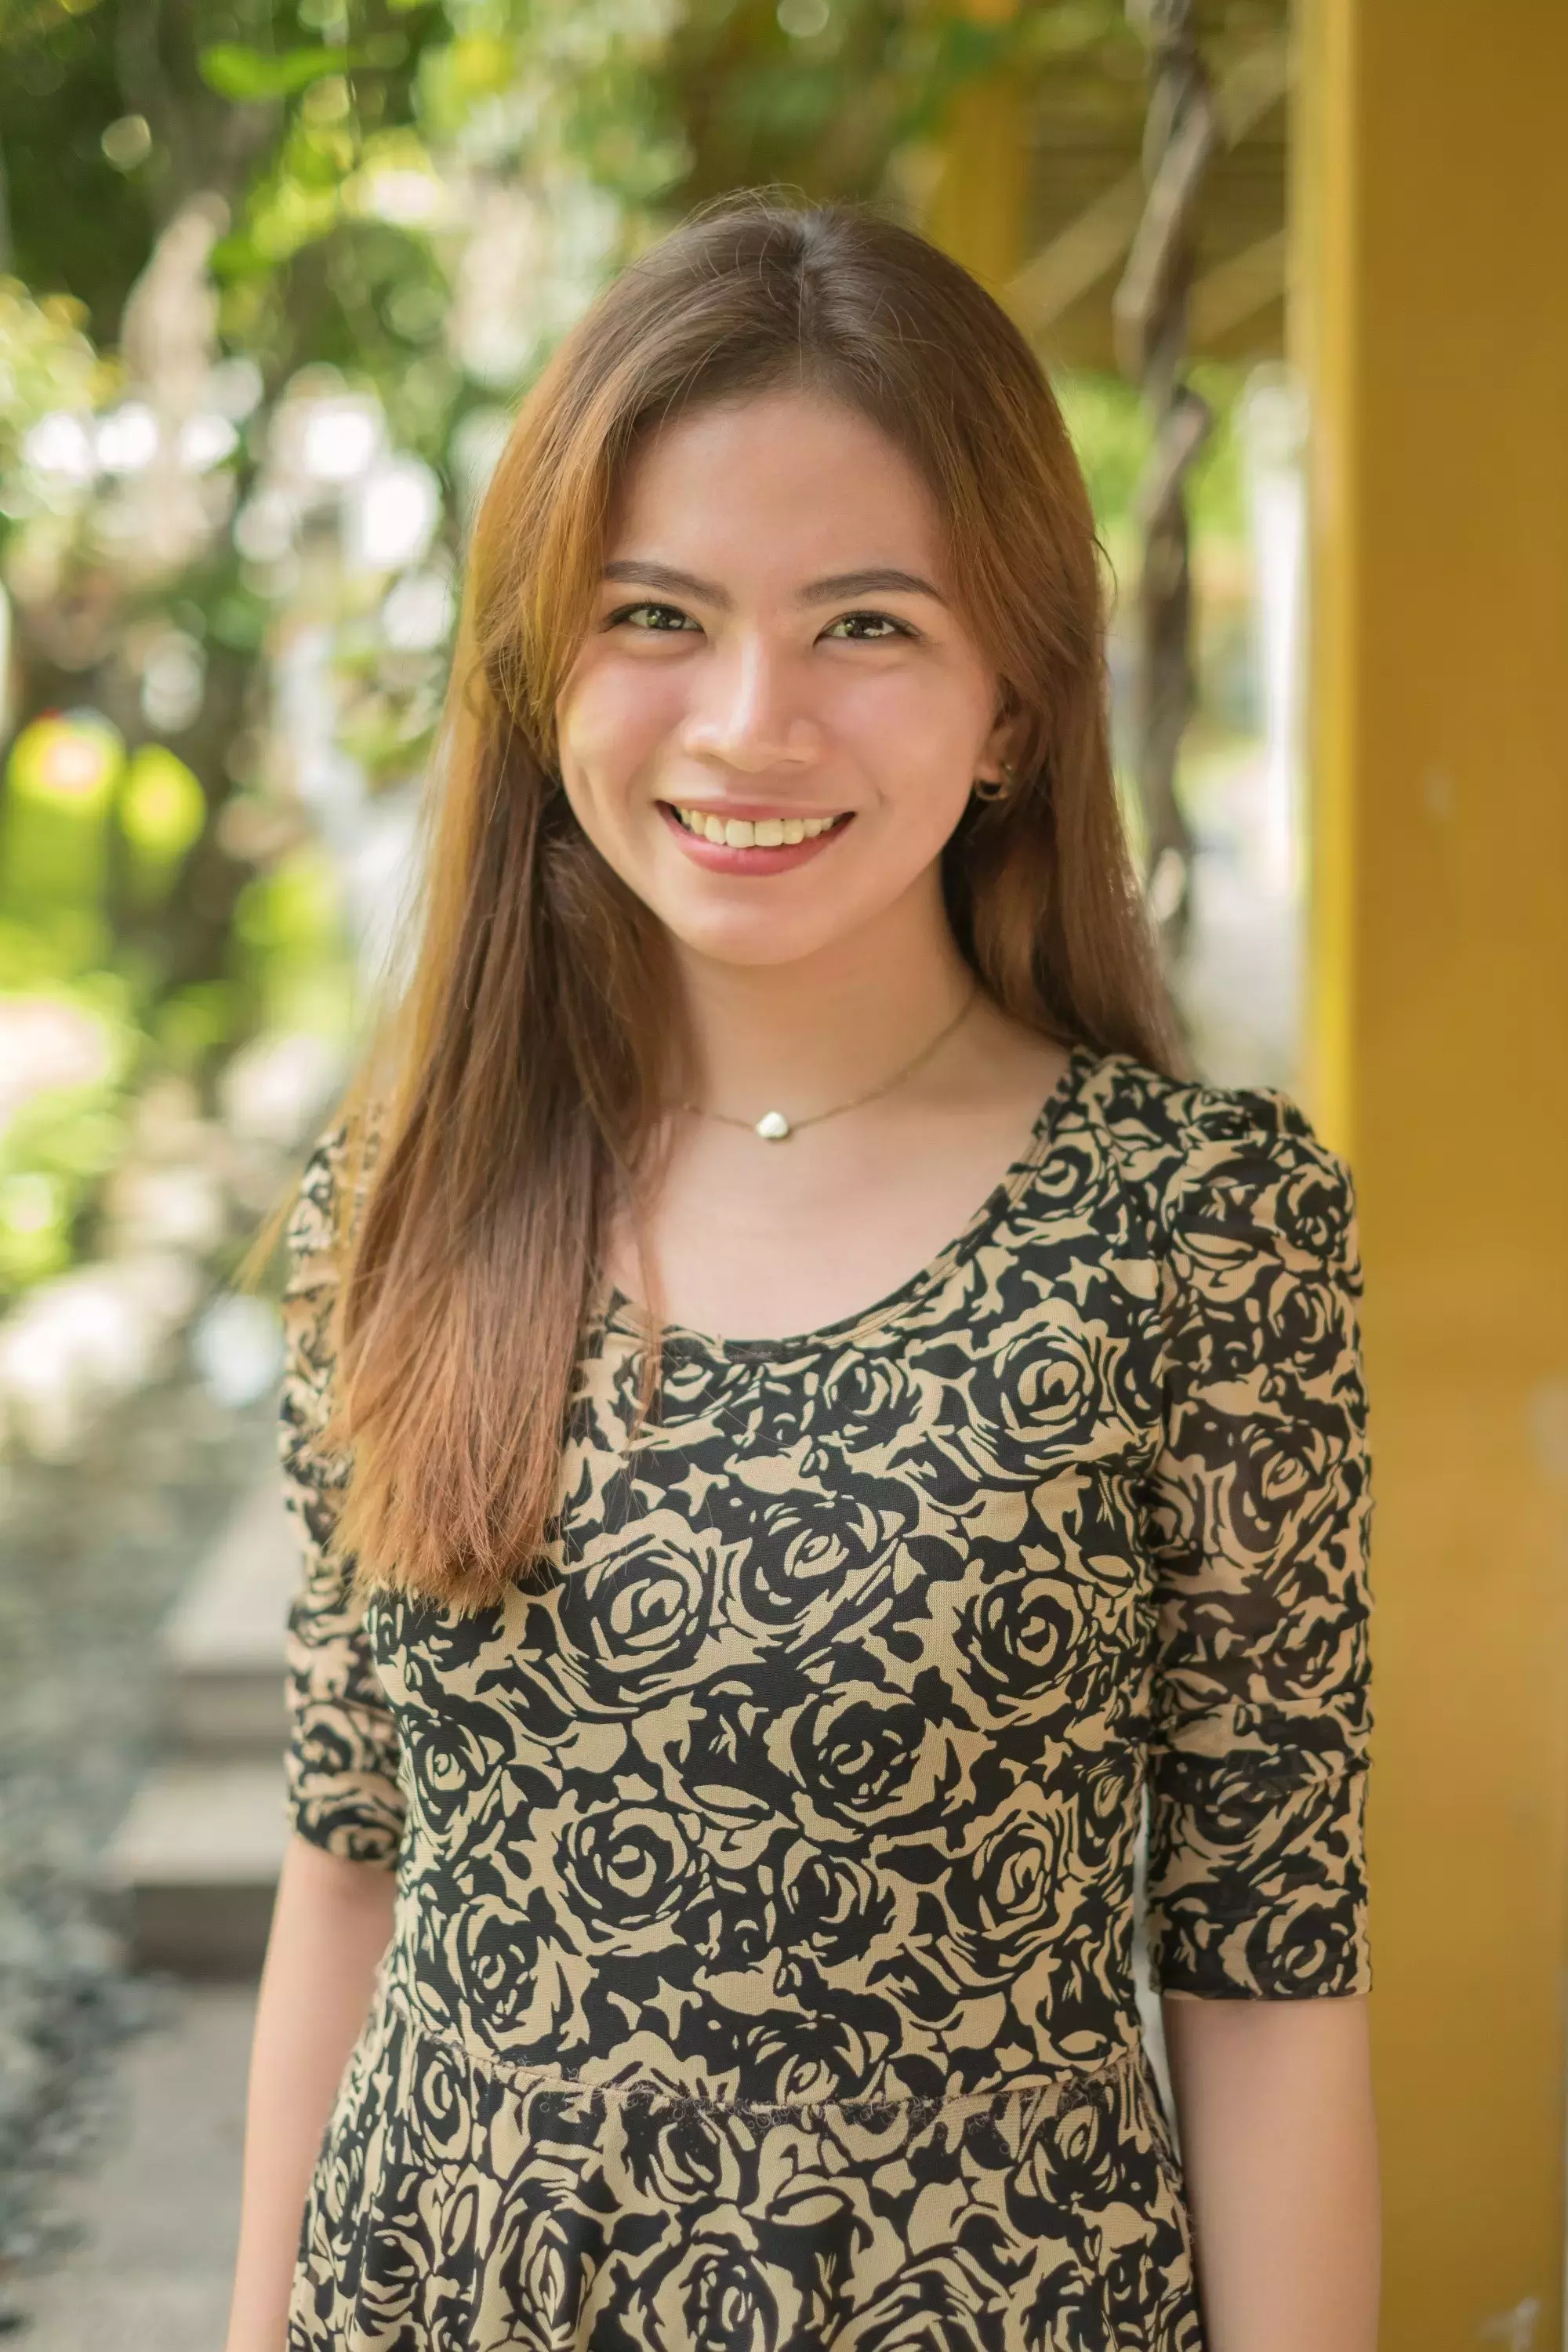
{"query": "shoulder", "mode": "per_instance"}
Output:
(328, 1192)
(326, 1198)
(1233, 1165)
(313, 1234)
(312, 1217)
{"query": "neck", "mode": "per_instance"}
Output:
(800, 1037)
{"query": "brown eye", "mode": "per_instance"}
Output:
(656, 619)
(866, 628)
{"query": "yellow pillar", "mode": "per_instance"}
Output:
(1432, 311)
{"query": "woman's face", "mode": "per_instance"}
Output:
(778, 714)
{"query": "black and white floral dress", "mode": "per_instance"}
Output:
(762, 1967)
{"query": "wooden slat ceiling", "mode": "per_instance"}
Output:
(1088, 110)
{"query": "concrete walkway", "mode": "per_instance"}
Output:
(159, 2207)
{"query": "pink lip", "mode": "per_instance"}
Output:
(718, 857)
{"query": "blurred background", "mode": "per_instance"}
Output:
(271, 280)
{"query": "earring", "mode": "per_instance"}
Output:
(994, 788)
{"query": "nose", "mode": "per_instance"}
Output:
(747, 712)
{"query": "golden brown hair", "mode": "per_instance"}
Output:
(519, 1081)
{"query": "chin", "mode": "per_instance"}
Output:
(757, 946)
(753, 937)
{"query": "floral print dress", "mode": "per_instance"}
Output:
(762, 1977)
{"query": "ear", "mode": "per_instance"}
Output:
(1003, 746)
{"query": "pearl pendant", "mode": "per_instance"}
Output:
(772, 1127)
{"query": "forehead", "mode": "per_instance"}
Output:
(779, 479)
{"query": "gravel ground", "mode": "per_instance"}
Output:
(92, 1554)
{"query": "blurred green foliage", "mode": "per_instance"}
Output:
(1111, 434)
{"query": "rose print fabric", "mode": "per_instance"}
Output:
(762, 1975)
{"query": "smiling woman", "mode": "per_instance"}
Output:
(801, 1425)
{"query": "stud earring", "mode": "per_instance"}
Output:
(994, 788)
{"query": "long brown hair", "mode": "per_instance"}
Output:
(517, 1084)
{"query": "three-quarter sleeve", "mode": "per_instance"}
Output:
(342, 1754)
(1258, 1519)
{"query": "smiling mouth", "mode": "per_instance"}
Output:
(755, 833)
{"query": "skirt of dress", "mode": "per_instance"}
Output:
(463, 2205)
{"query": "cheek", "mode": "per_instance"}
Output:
(611, 719)
(921, 742)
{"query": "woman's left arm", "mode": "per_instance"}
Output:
(1257, 1527)
(1279, 2148)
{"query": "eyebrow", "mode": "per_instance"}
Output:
(880, 579)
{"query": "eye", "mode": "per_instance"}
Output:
(655, 620)
(867, 628)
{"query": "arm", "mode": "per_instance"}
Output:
(333, 1916)
(1259, 1732)
(1280, 2152)
(330, 1928)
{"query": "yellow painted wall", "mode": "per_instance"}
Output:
(1431, 298)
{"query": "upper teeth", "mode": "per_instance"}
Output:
(765, 833)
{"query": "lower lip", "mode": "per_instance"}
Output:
(720, 859)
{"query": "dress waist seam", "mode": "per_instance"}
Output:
(1060, 2086)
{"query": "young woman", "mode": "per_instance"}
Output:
(835, 1425)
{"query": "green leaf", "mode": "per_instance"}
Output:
(237, 72)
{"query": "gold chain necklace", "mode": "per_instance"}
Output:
(774, 1127)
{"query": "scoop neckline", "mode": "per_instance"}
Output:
(629, 1318)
